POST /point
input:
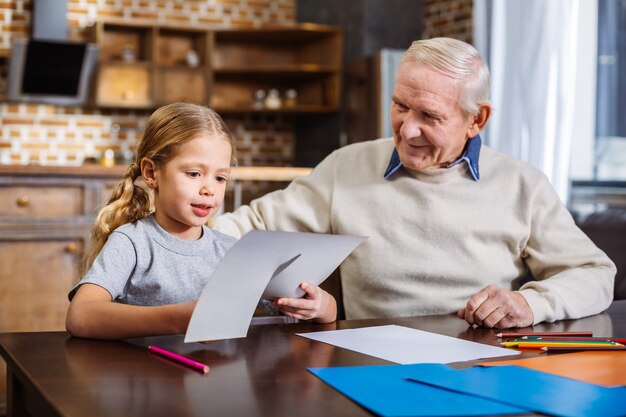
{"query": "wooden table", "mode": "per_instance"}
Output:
(263, 374)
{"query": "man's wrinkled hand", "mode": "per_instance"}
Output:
(495, 307)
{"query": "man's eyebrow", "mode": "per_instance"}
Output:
(432, 112)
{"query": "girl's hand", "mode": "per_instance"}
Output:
(316, 304)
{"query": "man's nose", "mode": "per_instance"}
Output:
(411, 125)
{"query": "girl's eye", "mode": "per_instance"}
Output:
(222, 179)
(193, 174)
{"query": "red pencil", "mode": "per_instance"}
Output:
(579, 348)
(520, 334)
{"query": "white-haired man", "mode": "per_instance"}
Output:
(453, 225)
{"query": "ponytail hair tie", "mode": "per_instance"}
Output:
(133, 171)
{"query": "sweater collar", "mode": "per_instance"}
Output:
(470, 155)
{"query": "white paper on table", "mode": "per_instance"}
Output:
(405, 345)
(283, 259)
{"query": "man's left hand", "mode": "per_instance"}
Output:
(497, 308)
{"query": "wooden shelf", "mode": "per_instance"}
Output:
(174, 45)
(296, 33)
(125, 85)
(122, 41)
(278, 70)
(118, 62)
(181, 84)
(299, 109)
(223, 67)
(184, 67)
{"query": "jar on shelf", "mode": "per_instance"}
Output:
(273, 100)
(108, 158)
(192, 58)
(291, 98)
(128, 53)
(259, 99)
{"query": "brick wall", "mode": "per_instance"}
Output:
(56, 135)
(452, 18)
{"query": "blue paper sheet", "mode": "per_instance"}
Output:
(527, 388)
(384, 390)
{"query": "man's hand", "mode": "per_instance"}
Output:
(497, 308)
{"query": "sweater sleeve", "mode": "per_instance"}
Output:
(304, 206)
(574, 278)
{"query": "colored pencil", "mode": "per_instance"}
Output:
(520, 334)
(555, 342)
(558, 339)
(180, 359)
(578, 348)
(539, 345)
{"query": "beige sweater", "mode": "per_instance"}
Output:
(438, 237)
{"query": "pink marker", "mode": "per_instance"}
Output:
(180, 359)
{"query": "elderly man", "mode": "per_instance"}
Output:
(453, 225)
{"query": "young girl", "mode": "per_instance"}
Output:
(146, 268)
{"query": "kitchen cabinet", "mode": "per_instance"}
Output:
(232, 70)
(46, 214)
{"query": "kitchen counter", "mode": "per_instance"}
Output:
(93, 170)
(88, 170)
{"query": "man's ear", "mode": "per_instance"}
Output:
(480, 120)
(148, 172)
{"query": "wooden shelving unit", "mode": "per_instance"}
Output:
(182, 72)
(306, 58)
(147, 66)
(126, 68)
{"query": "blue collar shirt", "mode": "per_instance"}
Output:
(470, 155)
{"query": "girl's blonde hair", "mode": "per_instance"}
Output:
(166, 129)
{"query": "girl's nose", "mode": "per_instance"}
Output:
(207, 189)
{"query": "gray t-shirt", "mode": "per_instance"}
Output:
(142, 264)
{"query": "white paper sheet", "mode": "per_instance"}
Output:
(404, 345)
(283, 259)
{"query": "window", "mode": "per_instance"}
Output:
(610, 141)
(598, 169)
